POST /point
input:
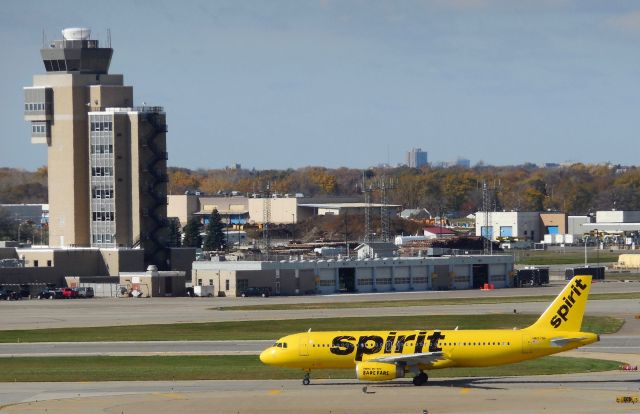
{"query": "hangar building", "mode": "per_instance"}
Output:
(297, 277)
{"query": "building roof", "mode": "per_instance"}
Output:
(348, 205)
(378, 245)
(415, 212)
(221, 212)
(439, 230)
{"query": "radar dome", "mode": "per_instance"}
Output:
(76, 33)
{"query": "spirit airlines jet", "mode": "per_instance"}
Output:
(386, 355)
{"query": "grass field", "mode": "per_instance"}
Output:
(553, 257)
(162, 368)
(421, 302)
(274, 329)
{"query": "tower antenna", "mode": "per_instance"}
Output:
(384, 185)
(367, 209)
(266, 219)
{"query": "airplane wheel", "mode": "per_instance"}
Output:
(306, 381)
(420, 379)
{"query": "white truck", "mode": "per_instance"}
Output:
(203, 291)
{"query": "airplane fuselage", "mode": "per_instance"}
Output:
(468, 348)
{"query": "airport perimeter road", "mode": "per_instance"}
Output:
(608, 344)
(577, 393)
(33, 314)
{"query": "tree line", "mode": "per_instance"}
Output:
(573, 189)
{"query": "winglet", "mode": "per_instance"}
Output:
(566, 311)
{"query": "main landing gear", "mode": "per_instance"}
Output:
(306, 380)
(420, 379)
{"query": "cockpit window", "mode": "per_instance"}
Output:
(284, 344)
(279, 344)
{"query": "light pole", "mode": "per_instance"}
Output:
(19, 221)
(293, 227)
(597, 248)
(346, 233)
(585, 250)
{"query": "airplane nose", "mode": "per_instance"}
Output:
(265, 356)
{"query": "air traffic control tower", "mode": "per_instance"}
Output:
(106, 158)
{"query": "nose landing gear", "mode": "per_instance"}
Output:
(306, 380)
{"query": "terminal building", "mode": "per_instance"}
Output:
(522, 225)
(393, 274)
(287, 209)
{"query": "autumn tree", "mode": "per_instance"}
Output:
(181, 180)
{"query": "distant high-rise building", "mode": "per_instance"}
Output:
(106, 158)
(463, 163)
(416, 158)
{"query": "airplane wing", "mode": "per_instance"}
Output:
(423, 358)
(564, 341)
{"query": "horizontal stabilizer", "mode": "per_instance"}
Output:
(564, 341)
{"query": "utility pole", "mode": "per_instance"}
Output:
(266, 220)
(385, 222)
(367, 209)
(486, 205)
(346, 232)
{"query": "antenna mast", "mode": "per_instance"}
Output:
(266, 219)
(367, 209)
(385, 221)
(487, 205)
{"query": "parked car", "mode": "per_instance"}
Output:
(6, 294)
(50, 294)
(84, 292)
(256, 291)
(69, 293)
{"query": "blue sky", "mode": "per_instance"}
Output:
(286, 84)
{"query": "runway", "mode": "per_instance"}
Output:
(620, 344)
(576, 393)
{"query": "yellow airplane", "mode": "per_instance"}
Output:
(386, 355)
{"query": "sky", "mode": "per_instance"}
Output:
(352, 83)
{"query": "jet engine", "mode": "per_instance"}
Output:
(378, 371)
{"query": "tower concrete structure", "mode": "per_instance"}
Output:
(106, 158)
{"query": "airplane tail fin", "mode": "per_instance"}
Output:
(566, 311)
